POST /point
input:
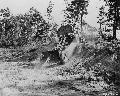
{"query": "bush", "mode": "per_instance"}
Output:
(106, 62)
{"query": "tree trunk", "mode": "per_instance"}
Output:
(81, 22)
(78, 33)
(114, 30)
(114, 26)
(100, 25)
(115, 21)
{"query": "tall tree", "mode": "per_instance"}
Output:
(102, 20)
(76, 9)
(102, 15)
(113, 14)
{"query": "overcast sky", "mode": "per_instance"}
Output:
(22, 6)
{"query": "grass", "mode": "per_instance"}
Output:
(90, 72)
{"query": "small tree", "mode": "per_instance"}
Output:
(39, 25)
(6, 28)
(49, 10)
(52, 32)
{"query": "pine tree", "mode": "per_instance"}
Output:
(75, 11)
(113, 14)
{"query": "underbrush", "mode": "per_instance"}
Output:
(98, 63)
(94, 70)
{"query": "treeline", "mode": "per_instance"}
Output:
(16, 31)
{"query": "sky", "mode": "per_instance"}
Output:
(22, 6)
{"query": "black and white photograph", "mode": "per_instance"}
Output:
(59, 47)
